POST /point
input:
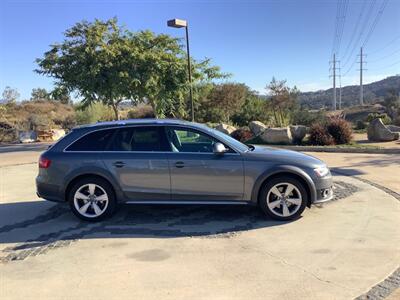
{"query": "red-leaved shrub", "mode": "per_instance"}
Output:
(340, 130)
(319, 135)
(242, 134)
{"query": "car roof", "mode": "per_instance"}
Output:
(139, 122)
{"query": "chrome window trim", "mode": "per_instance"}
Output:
(237, 152)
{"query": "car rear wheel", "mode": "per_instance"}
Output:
(92, 199)
(283, 198)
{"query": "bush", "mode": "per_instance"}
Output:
(97, 112)
(384, 117)
(319, 135)
(39, 122)
(242, 134)
(340, 130)
(254, 109)
(307, 118)
(396, 121)
(360, 125)
(141, 112)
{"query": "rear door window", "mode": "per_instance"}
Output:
(95, 141)
(147, 138)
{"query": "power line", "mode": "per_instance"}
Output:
(353, 35)
(343, 21)
(387, 67)
(386, 56)
(340, 20)
(384, 47)
(376, 21)
(337, 20)
(363, 27)
(350, 68)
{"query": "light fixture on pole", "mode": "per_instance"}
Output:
(177, 23)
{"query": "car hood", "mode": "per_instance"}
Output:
(281, 156)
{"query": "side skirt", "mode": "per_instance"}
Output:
(189, 202)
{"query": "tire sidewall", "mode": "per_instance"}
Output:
(107, 188)
(262, 201)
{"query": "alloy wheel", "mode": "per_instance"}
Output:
(91, 200)
(284, 199)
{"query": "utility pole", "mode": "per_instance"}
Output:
(361, 77)
(362, 69)
(334, 68)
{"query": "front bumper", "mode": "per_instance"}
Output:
(324, 189)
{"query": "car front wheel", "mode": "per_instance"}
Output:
(283, 198)
(92, 199)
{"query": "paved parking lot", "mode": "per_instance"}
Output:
(336, 251)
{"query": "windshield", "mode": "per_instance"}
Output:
(238, 145)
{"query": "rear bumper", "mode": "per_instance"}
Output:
(48, 191)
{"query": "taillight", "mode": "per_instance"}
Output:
(44, 162)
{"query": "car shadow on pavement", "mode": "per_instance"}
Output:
(56, 222)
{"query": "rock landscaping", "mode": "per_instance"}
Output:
(379, 132)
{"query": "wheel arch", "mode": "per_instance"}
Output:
(73, 178)
(288, 171)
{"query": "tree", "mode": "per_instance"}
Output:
(221, 101)
(39, 94)
(392, 103)
(60, 93)
(10, 95)
(104, 62)
(282, 100)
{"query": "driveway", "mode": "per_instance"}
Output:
(336, 251)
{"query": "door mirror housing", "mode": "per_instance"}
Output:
(219, 148)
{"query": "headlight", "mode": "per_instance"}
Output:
(321, 171)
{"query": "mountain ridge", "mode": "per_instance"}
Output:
(373, 92)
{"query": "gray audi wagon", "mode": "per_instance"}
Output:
(159, 161)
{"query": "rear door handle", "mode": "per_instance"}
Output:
(119, 164)
(179, 164)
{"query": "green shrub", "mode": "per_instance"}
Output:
(307, 118)
(242, 134)
(319, 135)
(39, 122)
(340, 130)
(360, 125)
(384, 117)
(96, 112)
(254, 109)
(141, 112)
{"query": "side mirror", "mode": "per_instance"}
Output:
(219, 148)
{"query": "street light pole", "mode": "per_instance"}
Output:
(177, 23)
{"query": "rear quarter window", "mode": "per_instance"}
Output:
(94, 141)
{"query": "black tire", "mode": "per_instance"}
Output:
(105, 186)
(262, 200)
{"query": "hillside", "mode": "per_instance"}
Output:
(373, 92)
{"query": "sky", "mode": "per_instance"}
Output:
(252, 40)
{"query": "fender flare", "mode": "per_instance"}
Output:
(96, 171)
(284, 169)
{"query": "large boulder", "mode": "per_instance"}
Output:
(298, 132)
(257, 127)
(393, 128)
(277, 136)
(378, 132)
(225, 128)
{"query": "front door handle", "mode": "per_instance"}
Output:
(119, 164)
(179, 164)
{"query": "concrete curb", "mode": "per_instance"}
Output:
(386, 287)
(337, 150)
